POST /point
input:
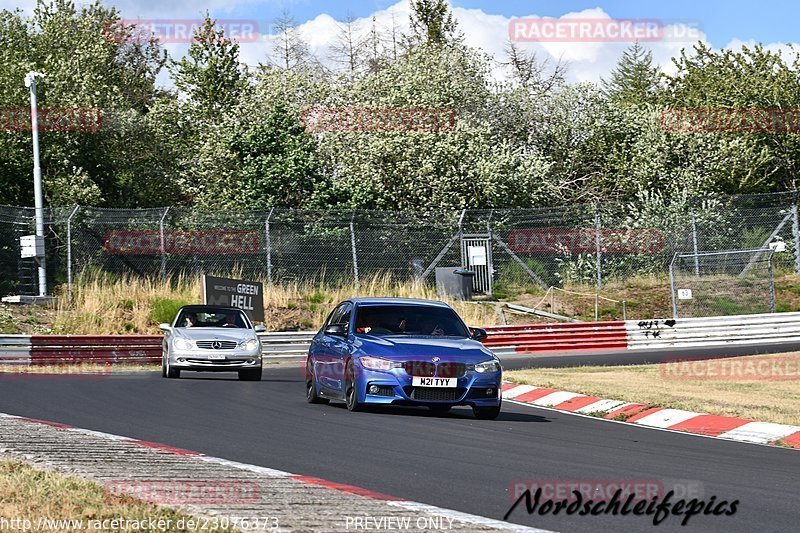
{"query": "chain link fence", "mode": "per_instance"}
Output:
(588, 244)
(737, 282)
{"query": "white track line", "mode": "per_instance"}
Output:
(760, 432)
(556, 398)
(518, 391)
(666, 418)
(752, 440)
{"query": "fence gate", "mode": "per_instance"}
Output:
(476, 255)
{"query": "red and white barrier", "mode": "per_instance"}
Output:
(724, 427)
(536, 338)
(525, 339)
(646, 334)
(115, 349)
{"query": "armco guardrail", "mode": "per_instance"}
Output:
(286, 344)
(101, 349)
(535, 338)
(647, 334)
(15, 349)
(115, 349)
(714, 331)
(526, 339)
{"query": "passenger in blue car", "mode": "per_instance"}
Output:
(431, 327)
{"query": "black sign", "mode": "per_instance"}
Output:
(246, 295)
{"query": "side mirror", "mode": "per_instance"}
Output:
(336, 330)
(260, 329)
(478, 334)
(164, 327)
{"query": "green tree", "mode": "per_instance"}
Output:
(754, 149)
(211, 74)
(261, 157)
(432, 23)
(471, 164)
(91, 63)
(635, 80)
(289, 50)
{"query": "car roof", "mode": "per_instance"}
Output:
(200, 307)
(397, 301)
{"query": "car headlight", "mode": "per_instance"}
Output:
(250, 345)
(376, 363)
(488, 366)
(182, 344)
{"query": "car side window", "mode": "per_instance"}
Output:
(346, 314)
(335, 315)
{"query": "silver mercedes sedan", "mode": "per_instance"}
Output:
(205, 338)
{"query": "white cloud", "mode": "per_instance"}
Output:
(788, 51)
(587, 61)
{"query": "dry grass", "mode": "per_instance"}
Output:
(30, 494)
(103, 305)
(767, 401)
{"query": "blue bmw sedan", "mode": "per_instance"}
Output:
(392, 351)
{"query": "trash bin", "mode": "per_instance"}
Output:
(454, 282)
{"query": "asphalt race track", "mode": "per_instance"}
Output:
(451, 461)
(640, 356)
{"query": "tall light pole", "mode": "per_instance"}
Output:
(30, 81)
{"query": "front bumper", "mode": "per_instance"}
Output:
(395, 388)
(199, 361)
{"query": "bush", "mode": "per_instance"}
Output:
(165, 309)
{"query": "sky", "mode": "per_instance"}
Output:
(486, 24)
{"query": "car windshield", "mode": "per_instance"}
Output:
(413, 320)
(211, 318)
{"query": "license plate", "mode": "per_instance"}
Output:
(216, 356)
(434, 382)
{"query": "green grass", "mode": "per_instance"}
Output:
(165, 309)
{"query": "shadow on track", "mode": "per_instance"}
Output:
(457, 413)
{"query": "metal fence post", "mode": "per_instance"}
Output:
(69, 251)
(461, 238)
(596, 307)
(771, 286)
(598, 258)
(672, 288)
(269, 247)
(796, 233)
(163, 245)
(353, 245)
(694, 244)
